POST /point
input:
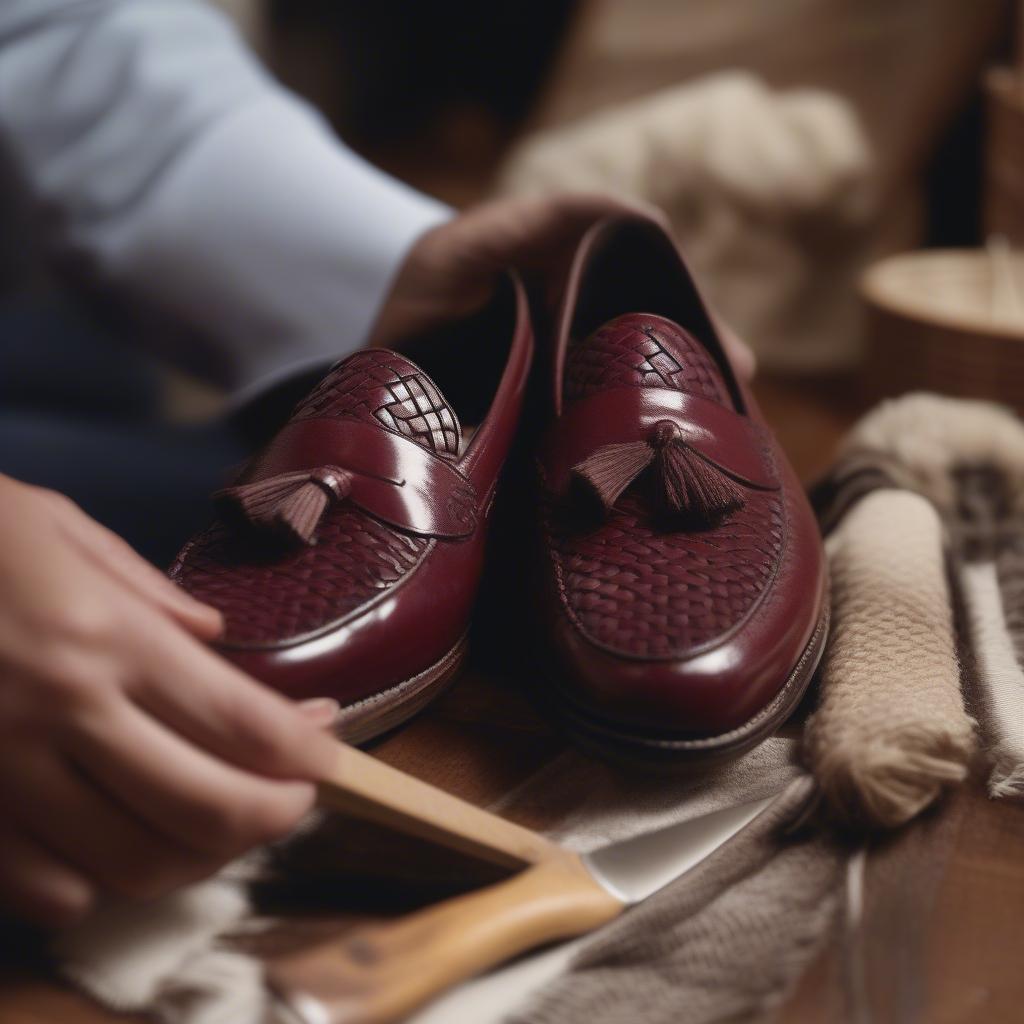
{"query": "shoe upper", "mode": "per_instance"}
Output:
(273, 594)
(675, 617)
(636, 586)
(405, 508)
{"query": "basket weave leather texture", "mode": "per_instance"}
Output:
(635, 354)
(634, 584)
(278, 596)
(381, 384)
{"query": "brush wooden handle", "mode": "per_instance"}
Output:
(360, 785)
(380, 974)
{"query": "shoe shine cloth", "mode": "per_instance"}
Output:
(179, 959)
(923, 481)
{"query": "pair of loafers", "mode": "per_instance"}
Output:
(677, 579)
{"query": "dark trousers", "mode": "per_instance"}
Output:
(79, 414)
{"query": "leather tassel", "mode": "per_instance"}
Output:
(690, 485)
(693, 486)
(301, 511)
(611, 469)
(258, 500)
(294, 502)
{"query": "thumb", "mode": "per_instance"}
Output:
(320, 711)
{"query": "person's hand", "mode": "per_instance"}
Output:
(451, 270)
(133, 759)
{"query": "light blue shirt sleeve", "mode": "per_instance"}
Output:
(187, 176)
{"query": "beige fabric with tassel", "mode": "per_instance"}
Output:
(967, 459)
(891, 730)
(924, 441)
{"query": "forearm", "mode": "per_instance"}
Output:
(189, 178)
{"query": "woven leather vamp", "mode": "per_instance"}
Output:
(271, 595)
(633, 583)
(381, 384)
(616, 356)
(269, 602)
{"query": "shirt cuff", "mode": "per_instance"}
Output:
(271, 239)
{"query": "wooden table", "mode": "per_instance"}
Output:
(950, 954)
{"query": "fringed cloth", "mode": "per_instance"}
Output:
(916, 581)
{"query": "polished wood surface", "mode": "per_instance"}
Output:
(939, 941)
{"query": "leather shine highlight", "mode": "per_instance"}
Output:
(394, 478)
(731, 442)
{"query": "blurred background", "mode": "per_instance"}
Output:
(792, 143)
(795, 145)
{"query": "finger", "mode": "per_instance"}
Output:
(37, 887)
(743, 357)
(115, 850)
(118, 558)
(536, 235)
(323, 712)
(584, 208)
(182, 792)
(201, 696)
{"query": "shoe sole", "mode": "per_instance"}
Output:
(370, 717)
(638, 749)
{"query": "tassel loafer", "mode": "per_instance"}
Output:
(347, 556)
(682, 581)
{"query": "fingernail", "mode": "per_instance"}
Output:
(323, 710)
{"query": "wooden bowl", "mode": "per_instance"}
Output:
(950, 321)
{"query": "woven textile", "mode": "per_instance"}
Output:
(891, 729)
(724, 943)
(967, 459)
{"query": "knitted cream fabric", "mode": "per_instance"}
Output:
(967, 459)
(925, 438)
(891, 730)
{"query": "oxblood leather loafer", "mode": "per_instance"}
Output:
(683, 581)
(347, 556)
